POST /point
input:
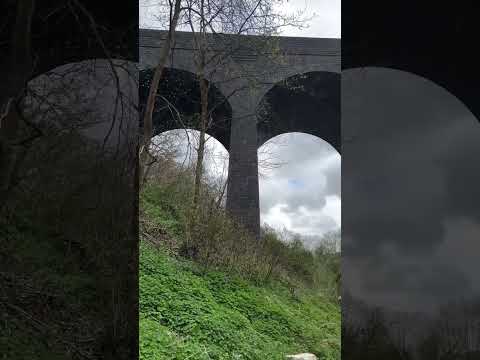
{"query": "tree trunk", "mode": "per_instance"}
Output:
(201, 144)
(147, 118)
(202, 49)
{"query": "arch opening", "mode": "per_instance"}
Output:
(308, 103)
(178, 104)
(299, 186)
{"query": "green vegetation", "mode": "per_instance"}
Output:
(223, 300)
(211, 315)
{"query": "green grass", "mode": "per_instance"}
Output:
(162, 206)
(186, 313)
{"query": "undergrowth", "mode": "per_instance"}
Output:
(186, 312)
(215, 241)
(233, 297)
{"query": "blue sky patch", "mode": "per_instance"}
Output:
(295, 183)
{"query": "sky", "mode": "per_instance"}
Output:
(324, 18)
(302, 195)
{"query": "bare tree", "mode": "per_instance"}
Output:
(267, 159)
(207, 21)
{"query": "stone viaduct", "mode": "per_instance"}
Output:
(254, 95)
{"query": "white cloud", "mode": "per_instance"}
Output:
(333, 208)
(325, 17)
(277, 218)
(303, 194)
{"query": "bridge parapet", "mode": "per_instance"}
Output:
(290, 55)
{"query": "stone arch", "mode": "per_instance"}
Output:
(307, 103)
(179, 91)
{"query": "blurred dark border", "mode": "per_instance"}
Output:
(435, 40)
(66, 292)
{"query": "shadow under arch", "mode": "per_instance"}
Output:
(179, 91)
(306, 103)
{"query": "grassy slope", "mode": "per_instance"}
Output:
(189, 314)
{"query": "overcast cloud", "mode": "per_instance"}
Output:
(324, 18)
(303, 193)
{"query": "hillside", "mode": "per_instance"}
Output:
(192, 311)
